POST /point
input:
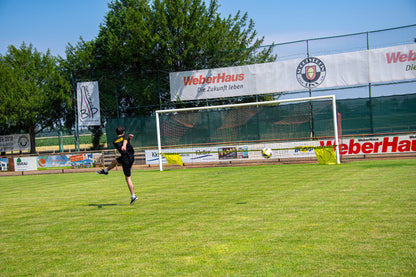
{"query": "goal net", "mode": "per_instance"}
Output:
(239, 131)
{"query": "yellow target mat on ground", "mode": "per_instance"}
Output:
(325, 155)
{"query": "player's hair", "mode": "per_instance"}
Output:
(119, 130)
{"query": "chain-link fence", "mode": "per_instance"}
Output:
(369, 109)
(129, 99)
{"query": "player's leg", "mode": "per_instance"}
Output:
(130, 185)
(111, 166)
(127, 173)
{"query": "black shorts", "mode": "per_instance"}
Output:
(126, 162)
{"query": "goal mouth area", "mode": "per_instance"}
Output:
(239, 131)
(240, 155)
(241, 142)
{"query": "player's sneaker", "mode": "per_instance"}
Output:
(102, 171)
(133, 200)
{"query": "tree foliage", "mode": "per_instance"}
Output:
(33, 91)
(138, 44)
(141, 41)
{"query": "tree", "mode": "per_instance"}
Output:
(141, 41)
(33, 91)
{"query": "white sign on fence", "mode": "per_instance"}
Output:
(299, 149)
(346, 69)
(15, 143)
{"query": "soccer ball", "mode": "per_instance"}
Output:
(266, 152)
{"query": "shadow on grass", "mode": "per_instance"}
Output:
(101, 205)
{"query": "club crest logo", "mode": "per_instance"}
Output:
(311, 72)
(23, 142)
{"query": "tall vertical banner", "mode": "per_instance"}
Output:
(88, 104)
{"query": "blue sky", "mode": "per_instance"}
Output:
(52, 24)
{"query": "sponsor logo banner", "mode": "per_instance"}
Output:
(376, 145)
(345, 69)
(57, 162)
(4, 164)
(299, 149)
(393, 63)
(25, 164)
(15, 143)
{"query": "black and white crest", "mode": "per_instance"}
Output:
(311, 72)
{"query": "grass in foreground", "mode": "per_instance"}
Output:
(356, 219)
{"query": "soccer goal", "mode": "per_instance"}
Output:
(290, 127)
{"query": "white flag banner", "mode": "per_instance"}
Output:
(346, 69)
(88, 103)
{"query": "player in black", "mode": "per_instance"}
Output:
(122, 144)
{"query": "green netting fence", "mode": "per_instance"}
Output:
(359, 117)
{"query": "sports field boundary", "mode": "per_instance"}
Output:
(141, 165)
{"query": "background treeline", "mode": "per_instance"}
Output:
(139, 42)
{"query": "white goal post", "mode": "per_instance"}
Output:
(252, 104)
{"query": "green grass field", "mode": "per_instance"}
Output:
(355, 219)
(67, 140)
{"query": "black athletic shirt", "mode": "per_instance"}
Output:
(118, 143)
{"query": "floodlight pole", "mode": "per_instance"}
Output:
(76, 131)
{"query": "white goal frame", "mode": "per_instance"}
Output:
(330, 97)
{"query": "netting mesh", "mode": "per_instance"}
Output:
(294, 121)
(233, 123)
(381, 115)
